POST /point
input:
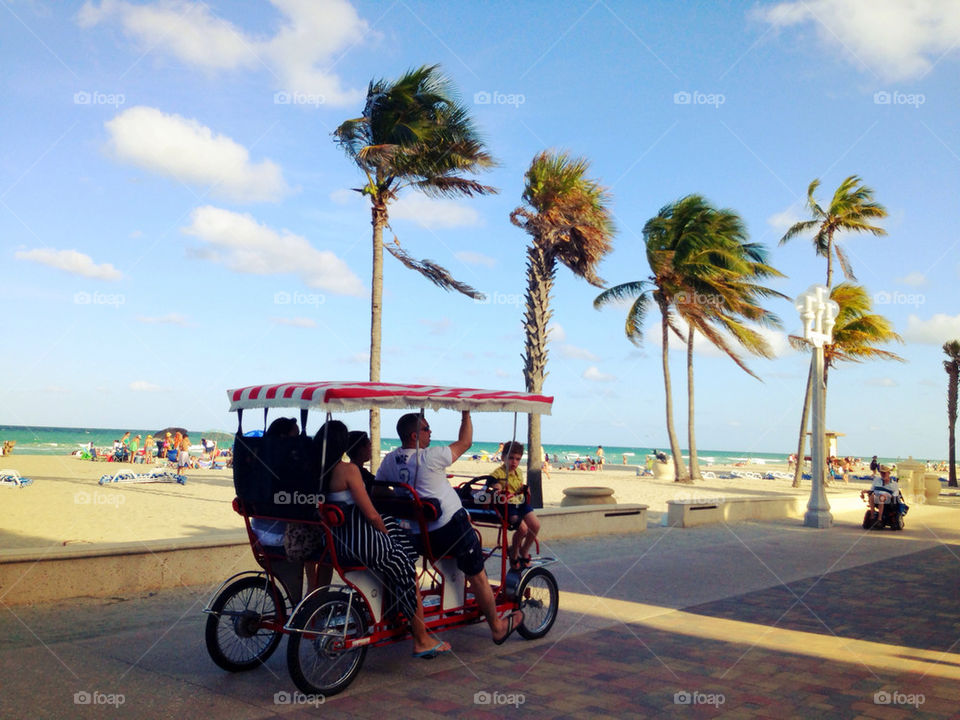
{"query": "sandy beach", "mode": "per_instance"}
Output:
(65, 505)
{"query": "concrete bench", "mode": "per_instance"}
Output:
(707, 511)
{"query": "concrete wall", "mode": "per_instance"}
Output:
(130, 568)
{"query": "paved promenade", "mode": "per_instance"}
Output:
(754, 620)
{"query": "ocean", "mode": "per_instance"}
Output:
(65, 440)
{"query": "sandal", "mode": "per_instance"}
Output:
(513, 621)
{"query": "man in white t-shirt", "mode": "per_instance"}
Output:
(424, 468)
(884, 485)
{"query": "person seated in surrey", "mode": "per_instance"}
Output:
(360, 451)
(377, 542)
(884, 485)
(519, 511)
(425, 468)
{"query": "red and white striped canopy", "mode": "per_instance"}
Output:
(347, 396)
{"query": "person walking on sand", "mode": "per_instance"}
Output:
(600, 457)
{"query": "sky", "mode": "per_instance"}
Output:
(176, 220)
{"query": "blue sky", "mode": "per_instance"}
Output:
(176, 220)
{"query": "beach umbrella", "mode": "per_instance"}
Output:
(171, 430)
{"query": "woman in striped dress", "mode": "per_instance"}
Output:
(374, 541)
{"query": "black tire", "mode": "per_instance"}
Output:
(538, 597)
(236, 638)
(315, 665)
(867, 520)
(898, 521)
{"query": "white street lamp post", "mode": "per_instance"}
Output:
(818, 313)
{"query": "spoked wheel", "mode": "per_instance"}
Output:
(538, 597)
(236, 637)
(318, 665)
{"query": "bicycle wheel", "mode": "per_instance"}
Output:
(538, 597)
(317, 664)
(236, 637)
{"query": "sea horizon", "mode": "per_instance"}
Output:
(64, 440)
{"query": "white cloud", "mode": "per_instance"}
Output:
(297, 56)
(881, 382)
(576, 353)
(593, 374)
(70, 261)
(301, 322)
(362, 358)
(433, 214)
(168, 319)
(474, 258)
(786, 218)
(191, 153)
(937, 330)
(898, 39)
(914, 279)
(144, 386)
(777, 340)
(243, 245)
(556, 333)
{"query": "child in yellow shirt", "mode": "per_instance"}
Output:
(518, 509)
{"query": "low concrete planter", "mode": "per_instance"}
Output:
(588, 496)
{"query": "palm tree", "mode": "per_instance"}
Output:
(851, 209)
(723, 292)
(705, 272)
(952, 366)
(856, 333)
(568, 219)
(413, 133)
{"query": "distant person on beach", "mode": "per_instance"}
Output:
(600, 456)
(183, 454)
(545, 468)
(874, 467)
(519, 511)
(134, 447)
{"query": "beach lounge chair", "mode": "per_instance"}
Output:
(157, 476)
(12, 478)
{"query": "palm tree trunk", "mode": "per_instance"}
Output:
(804, 415)
(378, 214)
(692, 443)
(952, 426)
(541, 270)
(679, 470)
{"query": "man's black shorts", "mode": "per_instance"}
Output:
(457, 538)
